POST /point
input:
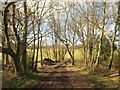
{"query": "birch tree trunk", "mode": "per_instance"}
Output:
(112, 44)
(101, 36)
(91, 44)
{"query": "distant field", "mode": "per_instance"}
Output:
(78, 54)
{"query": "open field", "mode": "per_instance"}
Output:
(78, 54)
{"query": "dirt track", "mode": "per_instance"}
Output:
(60, 77)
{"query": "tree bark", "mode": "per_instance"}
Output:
(33, 56)
(70, 55)
(112, 45)
(10, 52)
(36, 61)
(24, 53)
(38, 34)
(3, 55)
(101, 36)
(16, 33)
(92, 33)
(41, 51)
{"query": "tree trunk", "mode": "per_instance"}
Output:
(73, 53)
(36, 61)
(3, 55)
(55, 47)
(33, 56)
(16, 33)
(3, 60)
(6, 24)
(24, 53)
(73, 47)
(7, 60)
(41, 51)
(59, 53)
(87, 36)
(10, 52)
(112, 45)
(85, 59)
(84, 47)
(92, 33)
(91, 51)
(70, 55)
(101, 37)
(62, 53)
(17, 65)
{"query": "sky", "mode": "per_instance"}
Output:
(30, 2)
(1, 0)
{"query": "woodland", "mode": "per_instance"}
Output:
(59, 44)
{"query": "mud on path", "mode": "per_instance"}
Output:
(60, 77)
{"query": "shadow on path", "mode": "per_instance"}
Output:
(61, 78)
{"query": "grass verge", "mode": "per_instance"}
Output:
(11, 81)
(103, 78)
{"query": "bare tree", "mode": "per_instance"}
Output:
(33, 29)
(24, 53)
(112, 43)
(101, 35)
(8, 49)
(41, 13)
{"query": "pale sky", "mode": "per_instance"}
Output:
(1, 1)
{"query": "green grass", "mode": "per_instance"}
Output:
(102, 77)
(105, 81)
(78, 54)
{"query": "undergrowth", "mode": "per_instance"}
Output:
(104, 79)
(26, 81)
